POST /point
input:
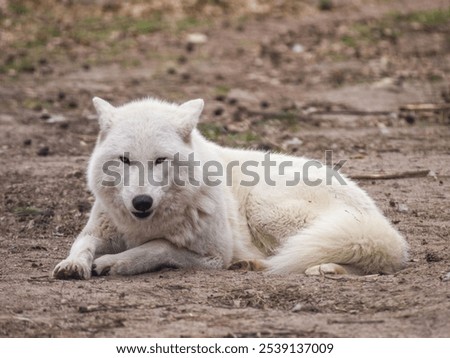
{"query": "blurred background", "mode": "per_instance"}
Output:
(368, 79)
(263, 66)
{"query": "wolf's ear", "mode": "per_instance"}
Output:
(104, 111)
(190, 112)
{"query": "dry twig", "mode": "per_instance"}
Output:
(385, 176)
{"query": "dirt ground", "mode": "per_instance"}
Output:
(293, 77)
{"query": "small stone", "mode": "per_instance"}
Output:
(182, 59)
(171, 71)
(264, 104)
(44, 115)
(83, 309)
(190, 47)
(61, 95)
(78, 174)
(410, 118)
(218, 111)
(72, 104)
(185, 76)
(57, 118)
(402, 208)
(197, 38)
(383, 129)
(291, 144)
(232, 101)
(83, 206)
(43, 152)
(325, 5)
(432, 257)
(446, 277)
(298, 307)
(297, 48)
(220, 98)
(433, 175)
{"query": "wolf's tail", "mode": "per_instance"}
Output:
(364, 241)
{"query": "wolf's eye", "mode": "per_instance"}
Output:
(124, 160)
(160, 160)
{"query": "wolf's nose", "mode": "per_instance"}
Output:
(142, 202)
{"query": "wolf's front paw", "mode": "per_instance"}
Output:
(72, 269)
(106, 265)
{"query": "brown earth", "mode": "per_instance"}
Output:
(353, 67)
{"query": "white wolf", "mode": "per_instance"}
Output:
(137, 226)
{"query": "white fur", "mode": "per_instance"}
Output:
(314, 229)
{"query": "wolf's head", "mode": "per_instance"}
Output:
(135, 168)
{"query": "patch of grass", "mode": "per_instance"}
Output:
(21, 64)
(110, 38)
(222, 90)
(27, 211)
(188, 23)
(325, 5)
(247, 137)
(349, 41)
(88, 30)
(433, 77)
(211, 131)
(18, 8)
(361, 32)
(130, 63)
(429, 18)
(370, 33)
(34, 103)
(290, 118)
(144, 26)
(216, 132)
(94, 29)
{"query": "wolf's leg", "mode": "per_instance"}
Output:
(98, 237)
(152, 256)
(78, 264)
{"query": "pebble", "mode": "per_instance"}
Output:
(185, 76)
(57, 118)
(432, 257)
(410, 118)
(44, 151)
(44, 115)
(297, 48)
(72, 103)
(220, 98)
(291, 144)
(264, 104)
(402, 208)
(218, 111)
(197, 38)
(171, 71)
